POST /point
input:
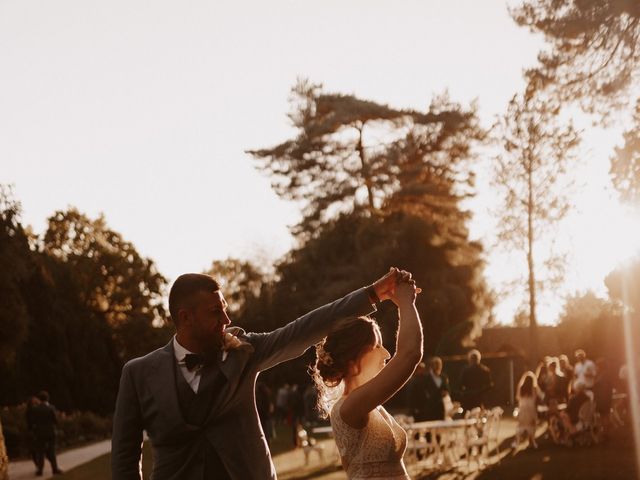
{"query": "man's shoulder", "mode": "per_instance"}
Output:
(146, 360)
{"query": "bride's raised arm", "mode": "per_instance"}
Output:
(362, 400)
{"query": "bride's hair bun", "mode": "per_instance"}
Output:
(336, 353)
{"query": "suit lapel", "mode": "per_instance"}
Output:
(163, 384)
(232, 368)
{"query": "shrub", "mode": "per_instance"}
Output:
(73, 429)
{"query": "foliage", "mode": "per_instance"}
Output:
(594, 58)
(594, 54)
(531, 178)
(380, 186)
(593, 324)
(624, 284)
(625, 164)
(15, 268)
(352, 154)
(242, 282)
(111, 278)
(353, 250)
(531, 171)
(75, 330)
(73, 429)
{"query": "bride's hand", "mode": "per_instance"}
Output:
(405, 292)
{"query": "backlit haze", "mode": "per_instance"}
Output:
(143, 111)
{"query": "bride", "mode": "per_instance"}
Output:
(354, 379)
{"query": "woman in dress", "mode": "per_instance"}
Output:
(527, 395)
(354, 379)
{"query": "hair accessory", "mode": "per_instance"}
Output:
(325, 357)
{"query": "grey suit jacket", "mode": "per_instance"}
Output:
(148, 400)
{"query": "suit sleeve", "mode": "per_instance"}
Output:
(126, 442)
(415, 397)
(293, 339)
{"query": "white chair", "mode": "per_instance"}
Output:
(482, 435)
(588, 429)
(422, 446)
(308, 445)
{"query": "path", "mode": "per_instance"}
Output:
(25, 470)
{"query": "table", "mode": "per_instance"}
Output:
(439, 424)
(545, 408)
(325, 430)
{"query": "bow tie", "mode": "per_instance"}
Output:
(193, 361)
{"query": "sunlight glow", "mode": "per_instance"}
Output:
(632, 363)
(598, 235)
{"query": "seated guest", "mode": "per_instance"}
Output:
(571, 416)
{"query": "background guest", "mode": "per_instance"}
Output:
(475, 381)
(43, 417)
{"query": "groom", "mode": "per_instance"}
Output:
(195, 396)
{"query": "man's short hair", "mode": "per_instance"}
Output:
(43, 396)
(474, 355)
(433, 361)
(185, 286)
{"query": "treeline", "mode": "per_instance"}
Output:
(378, 187)
(77, 301)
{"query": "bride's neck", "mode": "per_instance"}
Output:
(351, 383)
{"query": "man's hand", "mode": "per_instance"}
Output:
(385, 287)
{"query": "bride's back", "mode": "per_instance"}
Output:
(374, 451)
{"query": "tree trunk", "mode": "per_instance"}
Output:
(4, 460)
(533, 321)
(365, 170)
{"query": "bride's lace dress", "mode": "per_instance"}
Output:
(374, 451)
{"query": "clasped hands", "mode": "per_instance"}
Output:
(397, 285)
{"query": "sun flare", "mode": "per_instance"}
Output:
(598, 235)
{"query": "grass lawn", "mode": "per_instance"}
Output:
(100, 468)
(611, 460)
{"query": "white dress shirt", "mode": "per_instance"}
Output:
(585, 372)
(192, 377)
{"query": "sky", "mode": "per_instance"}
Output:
(144, 110)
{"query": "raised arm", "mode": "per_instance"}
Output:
(126, 442)
(293, 339)
(355, 409)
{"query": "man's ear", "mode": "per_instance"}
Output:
(184, 317)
